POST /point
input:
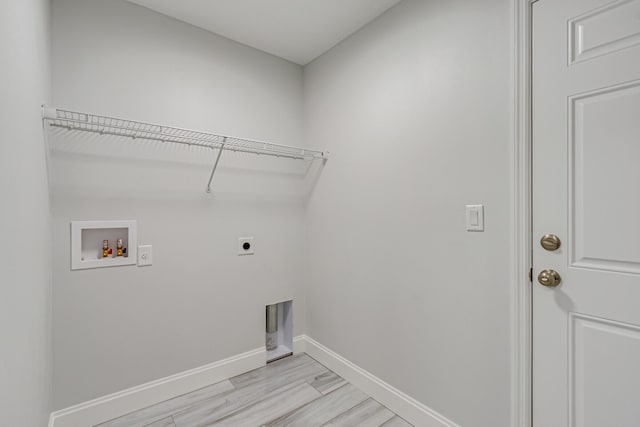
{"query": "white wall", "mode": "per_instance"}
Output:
(414, 109)
(25, 266)
(199, 302)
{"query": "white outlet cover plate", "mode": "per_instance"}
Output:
(242, 250)
(475, 217)
(145, 255)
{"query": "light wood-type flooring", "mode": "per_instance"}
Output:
(295, 391)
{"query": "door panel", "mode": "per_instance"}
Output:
(604, 151)
(586, 190)
(602, 390)
(604, 30)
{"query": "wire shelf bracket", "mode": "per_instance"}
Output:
(215, 165)
(105, 125)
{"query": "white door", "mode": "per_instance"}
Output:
(586, 191)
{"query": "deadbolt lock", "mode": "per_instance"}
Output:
(549, 278)
(550, 242)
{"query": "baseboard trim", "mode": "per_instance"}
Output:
(123, 402)
(299, 344)
(402, 404)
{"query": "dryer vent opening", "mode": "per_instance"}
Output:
(279, 330)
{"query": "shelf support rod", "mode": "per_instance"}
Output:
(215, 165)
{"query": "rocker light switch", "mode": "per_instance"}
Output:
(475, 218)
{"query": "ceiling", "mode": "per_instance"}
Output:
(297, 30)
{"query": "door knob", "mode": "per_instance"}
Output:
(549, 278)
(550, 242)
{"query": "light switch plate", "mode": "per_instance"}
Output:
(245, 246)
(145, 255)
(475, 217)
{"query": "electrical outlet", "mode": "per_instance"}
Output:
(245, 246)
(145, 255)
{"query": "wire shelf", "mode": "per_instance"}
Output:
(104, 125)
